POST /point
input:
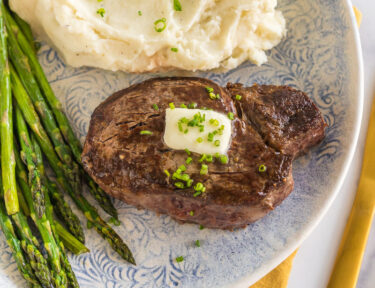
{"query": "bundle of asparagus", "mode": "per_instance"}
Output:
(41, 130)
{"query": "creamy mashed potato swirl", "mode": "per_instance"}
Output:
(207, 33)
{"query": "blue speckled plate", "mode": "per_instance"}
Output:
(320, 55)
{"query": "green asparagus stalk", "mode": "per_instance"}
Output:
(26, 30)
(44, 226)
(6, 128)
(89, 211)
(72, 280)
(15, 245)
(62, 208)
(21, 65)
(70, 242)
(30, 245)
(29, 158)
(63, 122)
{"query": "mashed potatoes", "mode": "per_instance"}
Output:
(122, 34)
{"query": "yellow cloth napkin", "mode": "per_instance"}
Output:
(278, 277)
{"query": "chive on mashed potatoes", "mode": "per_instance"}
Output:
(144, 35)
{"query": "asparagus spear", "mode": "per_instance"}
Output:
(30, 161)
(21, 65)
(70, 242)
(63, 122)
(6, 129)
(30, 245)
(26, 30)
(43, 224)
(62, 208)
(22, 263)
(72, 280)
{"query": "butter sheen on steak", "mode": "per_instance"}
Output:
(273, 125)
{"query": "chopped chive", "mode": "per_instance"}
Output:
(185, 177)
(238, 97)
(179, 259)
(160, 28)
(191, 213)
(186, 131)
(199, 139)
(202, 158)
(189, 182)
(209, 158)
(210, 137)
(101, 12)
(188, 160)
(217, 155)
(179, 185)
(262, 168)
(198, 187)
(177, 5)
(201, 227)
(180, 127)
(209, 89)
(182, 168)
(192, 105)
(204, 169)
(217, 143)
(171, 105)
(214, 122)
(156, 107)
(201, 128)
(145, 132)
(173, 49)
(167, 173)
(197, 242)
(224, 159)
(230, 116)
(212, 95)
(196, 194)
(217, 96)
(140, 13)
(187, 151)
(183, 106)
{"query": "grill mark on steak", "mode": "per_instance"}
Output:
(273, 125)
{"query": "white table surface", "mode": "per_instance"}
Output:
(315, 258)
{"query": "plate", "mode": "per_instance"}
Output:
(321, 55)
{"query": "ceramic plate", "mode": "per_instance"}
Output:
(321, 56)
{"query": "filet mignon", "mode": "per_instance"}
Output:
(272, 125)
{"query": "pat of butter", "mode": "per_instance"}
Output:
(179, 140)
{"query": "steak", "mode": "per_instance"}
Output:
(272, 125)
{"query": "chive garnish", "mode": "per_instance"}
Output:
(196, 194)
(199, 139)
(140, 13)
(238, 97)
(145, 132)
(209, 158)
(197, 242)
(188, 160)
(189, 182)
(177, 5)
(156, 107)
(209, 89)
(230, 116)
(185, 177)
(182, 168)
(191, 213)
(160, 28)
(171, 105)
(201, 227)
(217, 143)
(204, 169)
(179, 185)
(187, 151)
(214, 122)
(179, 259)
(167, 173)
(183, 106)
(174, 49)
(224, 159)
(202, 158)
(101, 12)
(192, 105)
(262, 168)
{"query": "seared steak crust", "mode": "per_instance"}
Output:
(266, 130)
